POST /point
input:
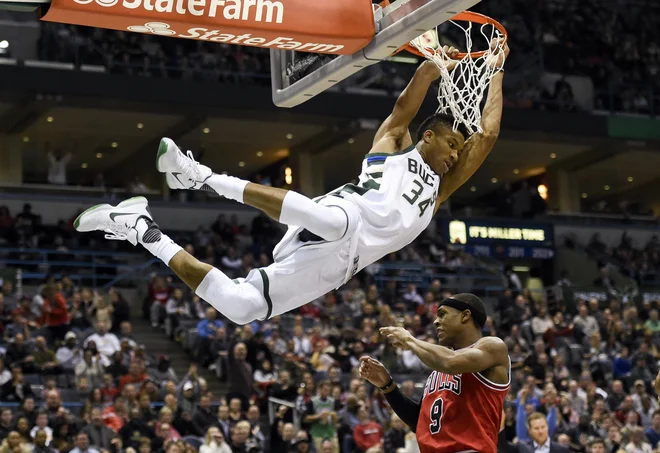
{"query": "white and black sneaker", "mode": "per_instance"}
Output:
(182, 171)
(120, 222)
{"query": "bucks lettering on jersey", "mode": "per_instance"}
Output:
(396, 195)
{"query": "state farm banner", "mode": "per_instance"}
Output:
(335, 27)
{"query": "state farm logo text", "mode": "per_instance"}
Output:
(247, 39)
(244, 10)
(157, 28)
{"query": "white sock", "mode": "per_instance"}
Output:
(159, 244)
(228, 186)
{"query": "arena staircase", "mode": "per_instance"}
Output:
(582, 268)
(158, 343)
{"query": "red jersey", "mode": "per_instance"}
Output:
(460, 413)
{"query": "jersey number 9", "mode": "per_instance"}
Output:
(436, 416)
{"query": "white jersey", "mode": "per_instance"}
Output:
(396, 196)
(391, 205)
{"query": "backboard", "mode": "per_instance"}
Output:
(298, 77)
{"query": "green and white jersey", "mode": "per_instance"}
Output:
(396, 196)
(391, 205)
(323, 428)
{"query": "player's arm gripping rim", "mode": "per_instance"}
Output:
(478, 146)
(395, 126)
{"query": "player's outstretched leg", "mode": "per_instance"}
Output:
(131, 220)
(285, 206)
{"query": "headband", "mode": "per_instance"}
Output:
(478, 315)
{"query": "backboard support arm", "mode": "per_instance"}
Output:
(402, 21)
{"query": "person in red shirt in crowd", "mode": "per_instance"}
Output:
(626, 407)
(157, 296)
(310, 311)
(116, 415)
(136, 375)
(109, 389)
(54, 314)
(368, 435)
(22, 315)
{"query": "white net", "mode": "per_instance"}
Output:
(463, 87)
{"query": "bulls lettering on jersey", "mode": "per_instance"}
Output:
(460, 413)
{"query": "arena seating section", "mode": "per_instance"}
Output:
(617, 51)
(167, 379)
(322, 341)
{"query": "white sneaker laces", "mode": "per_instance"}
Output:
(116, 231)
(189, 166)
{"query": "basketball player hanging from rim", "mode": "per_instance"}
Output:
(333, 237)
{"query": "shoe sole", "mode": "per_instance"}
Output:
(130, 202)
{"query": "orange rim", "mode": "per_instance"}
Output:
(467, 16)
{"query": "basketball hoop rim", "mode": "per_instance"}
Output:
(467, 16)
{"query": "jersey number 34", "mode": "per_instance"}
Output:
(415, 192)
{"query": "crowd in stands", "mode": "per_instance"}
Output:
(621, 55)
(146, 55)
(613, 43)
(642, 264)
(233, 247)
(73, 378)
(587, 366)
(519, 200)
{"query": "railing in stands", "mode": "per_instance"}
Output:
(82, 266)
(478, 279)
(77, 404)
(588, 218)
(75, 190)
(272, 410)
(108, 269)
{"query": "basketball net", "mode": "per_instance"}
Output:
(462, 89)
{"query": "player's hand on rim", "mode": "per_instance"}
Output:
(450, 54)
(498, 53)
(445, 59)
